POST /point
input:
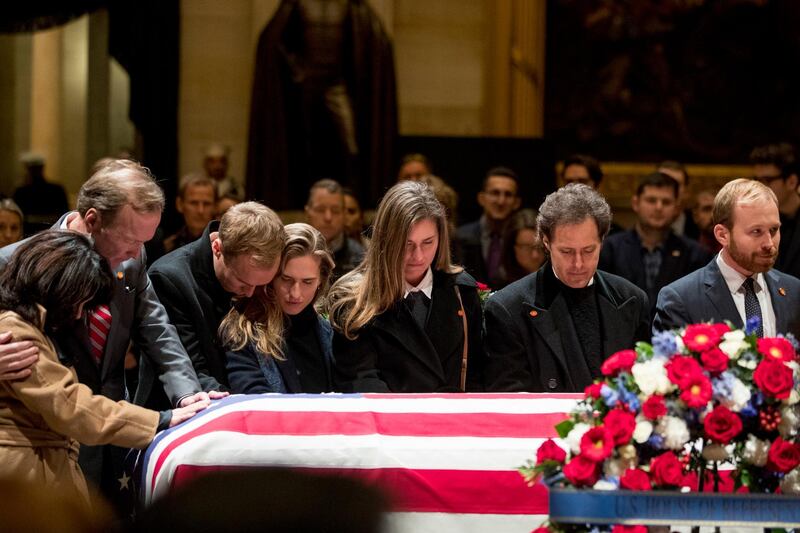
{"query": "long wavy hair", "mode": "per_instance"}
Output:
(259, 319)
(378, 282)
(57, 269)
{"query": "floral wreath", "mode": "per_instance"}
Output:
(705, 408)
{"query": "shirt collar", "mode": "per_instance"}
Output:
(426, 285)
(733, 278)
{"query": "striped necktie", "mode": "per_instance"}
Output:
(99, 326)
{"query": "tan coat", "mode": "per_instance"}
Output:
(44, 416)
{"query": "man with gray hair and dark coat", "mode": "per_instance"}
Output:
(551, 330)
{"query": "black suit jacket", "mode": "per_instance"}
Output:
(393, 354)
(196, 303)
(467, 243)
(530, 339)
(622, 255)
(704, 296)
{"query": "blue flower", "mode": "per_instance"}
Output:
(752, 325)
(723, 386)
(748, 411)
(656, 441)
(664, 344)
(610, 396)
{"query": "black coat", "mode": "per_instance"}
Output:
(196, 303)
(704, 296)
(530, 339)
(622, 255)
(393, 354)
(470, 251)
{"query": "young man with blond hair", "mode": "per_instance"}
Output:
(196, 283)
(739, 284)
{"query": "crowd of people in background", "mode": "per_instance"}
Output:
(236, 301)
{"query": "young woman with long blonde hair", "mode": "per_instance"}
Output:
(406, 319)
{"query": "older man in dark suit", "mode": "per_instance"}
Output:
(739, 283)
(552, 330)
(232, 258)
(120, 207)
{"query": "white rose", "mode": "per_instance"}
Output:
(651, 377)
(755, 451)
(643, 431)
(790, 422)
(740, 395)
(674, 432)
(605, 485)
(573, 440)
(791, 482)
(733, 343)
(715, 452)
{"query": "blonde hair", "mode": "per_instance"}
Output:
(378, 282)
(117, 183)
(254, 229)
(259, 320)
(737, 192)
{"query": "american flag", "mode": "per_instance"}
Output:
(448, 461)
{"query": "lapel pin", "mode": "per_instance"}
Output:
(782, 291)
(534, 313)
(460, 312)
(676, 253)
(120, 275)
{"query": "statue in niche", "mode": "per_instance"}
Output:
(323, 103)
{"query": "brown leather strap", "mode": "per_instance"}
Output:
(463, 381)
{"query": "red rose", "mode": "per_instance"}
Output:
(482, 286)
(702, 337)
(721, 328)
(654, 407)
(541, 529)
(667, 470)
(783, 456)
(774, 378)
(635, 479)
(776, 348)
(550, 451)
(593, 390)
(722, 424)
(581, 471)
(597, 444)
(697, 391)
(714, 360)
(621, 361)
(681, 367)
(618, 528)
(621, 424)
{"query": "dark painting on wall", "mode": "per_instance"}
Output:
(695, 80)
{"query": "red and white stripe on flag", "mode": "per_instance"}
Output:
(447, 460)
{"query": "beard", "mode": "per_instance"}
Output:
(759, 261)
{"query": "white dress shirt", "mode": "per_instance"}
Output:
(734, 280)
(426, 285)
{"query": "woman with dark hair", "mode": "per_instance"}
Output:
(278, 342)
(523, 251)
(406, 319)
(45, 287)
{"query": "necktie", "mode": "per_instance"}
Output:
(493, 258)
(99, 326)
(417, 303)
(751, 306)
